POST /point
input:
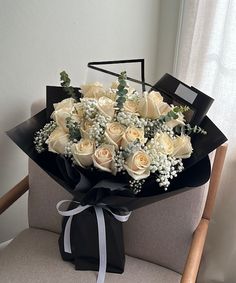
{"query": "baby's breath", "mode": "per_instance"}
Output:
(68, 152)
(96, 132)
(165, 167)
(119, 161)
(130, 119)
(155, 126)
(90, 108)
(42, 135)
(136, 185)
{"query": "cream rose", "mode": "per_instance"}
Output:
(60, 117)
(85, 128)
(130, 106)
(182, 147)
(131, 134)
(114, 85)
(103, 158)
(114, 132)
(78, 110)
(106, 106)
(163, 143)
(137, 165)
(83, 151)
(151, 105)
(174, 122)
(66, 104)
(63, 110)
(57, 141)
(111, 94)
(93, 90)
(131, 92)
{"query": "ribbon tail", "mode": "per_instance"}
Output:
(102, 245)
(67, 244)
(70, 213)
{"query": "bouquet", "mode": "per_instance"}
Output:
(119, 131)
(115, 150)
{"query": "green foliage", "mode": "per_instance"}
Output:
(121, 90)
(74, 132)
(180, 109)
(169, 116)
(188, 130)
(65, 79)
(132, 147)
(173, 114)
(65, 83)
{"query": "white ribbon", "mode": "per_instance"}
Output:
(101, 232)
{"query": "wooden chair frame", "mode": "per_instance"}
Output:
(195, 252)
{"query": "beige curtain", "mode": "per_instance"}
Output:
(206, 58)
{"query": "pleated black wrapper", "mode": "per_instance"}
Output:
(84, 242)
(93, 187)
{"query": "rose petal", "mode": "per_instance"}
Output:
(85, 160)
(109, 140)
(96, 164)
(136, 176)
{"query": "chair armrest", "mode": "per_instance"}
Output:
(194, 257)
(10, 197)
(195, 253)
(215, 180)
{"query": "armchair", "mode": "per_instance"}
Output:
(167, 248)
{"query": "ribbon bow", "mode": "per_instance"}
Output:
(101, 231)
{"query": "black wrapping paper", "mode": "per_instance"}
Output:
(175, 91)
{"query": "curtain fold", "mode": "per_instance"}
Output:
(206, 59)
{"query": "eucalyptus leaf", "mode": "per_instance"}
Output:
(65, 83)
(121, 90)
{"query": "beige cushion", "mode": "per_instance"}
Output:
(33, 257)
(44, 194)
(162, 232)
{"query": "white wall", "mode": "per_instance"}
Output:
(38, 39)
(168, 27)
